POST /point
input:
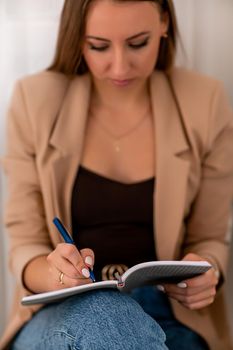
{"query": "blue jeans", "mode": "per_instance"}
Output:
(178, 336)
(106, 320)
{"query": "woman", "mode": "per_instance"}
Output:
(117, 142)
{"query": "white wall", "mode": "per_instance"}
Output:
(28, 31)
(207, 30)
(27, 35)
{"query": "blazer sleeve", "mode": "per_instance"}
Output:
(24, 214)
(209, 223)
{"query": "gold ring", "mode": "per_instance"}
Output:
(61, 278)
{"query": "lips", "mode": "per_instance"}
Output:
(124, 82)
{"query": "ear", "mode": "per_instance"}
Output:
(164, 22)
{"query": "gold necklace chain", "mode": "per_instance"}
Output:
(117, 138)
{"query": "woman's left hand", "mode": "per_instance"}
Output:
(197, 292)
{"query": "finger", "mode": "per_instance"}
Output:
(63, 281)
(192, 299)
(207, 279)
(67, 282)
(67, 268)
(57, 261)
(56, 279)
(184, 289)
(213, 271)
(88, 257)
(193, 285)
(71, 253)
(193, 257)
(199, 305)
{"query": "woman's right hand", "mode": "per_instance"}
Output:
(69, 267)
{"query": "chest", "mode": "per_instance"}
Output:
(128, 156)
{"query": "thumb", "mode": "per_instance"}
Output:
(193, 257)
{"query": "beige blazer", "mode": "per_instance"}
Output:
(194, 176)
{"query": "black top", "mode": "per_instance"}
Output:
(114, 219)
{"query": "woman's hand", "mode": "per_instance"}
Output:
(69, 267)
(194, 293)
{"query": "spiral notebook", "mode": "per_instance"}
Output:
(148, 273)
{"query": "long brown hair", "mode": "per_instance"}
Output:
(68, 56)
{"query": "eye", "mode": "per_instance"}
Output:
(139, 45)
(98, 48)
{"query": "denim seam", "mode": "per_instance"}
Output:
(71, 337)
(73, 347)
(55, 333)
(67, 335)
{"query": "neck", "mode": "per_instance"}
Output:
(120, 99)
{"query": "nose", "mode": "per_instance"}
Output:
(120, 64)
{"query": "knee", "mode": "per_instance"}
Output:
(111, 320)
(97, 320)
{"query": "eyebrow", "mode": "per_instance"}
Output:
(106, 40)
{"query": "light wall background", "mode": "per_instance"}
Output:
(28, 30)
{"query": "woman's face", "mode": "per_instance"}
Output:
(122, 40)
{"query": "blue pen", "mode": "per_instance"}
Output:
(68, 239)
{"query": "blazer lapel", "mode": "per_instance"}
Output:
(171, 169)
(67, 138)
